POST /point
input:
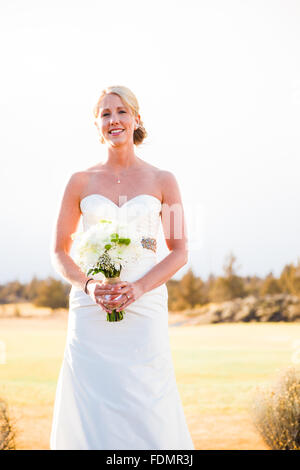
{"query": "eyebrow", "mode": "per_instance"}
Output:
(107, 109)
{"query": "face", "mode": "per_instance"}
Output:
(114, 114)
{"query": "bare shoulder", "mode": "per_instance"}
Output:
(73, 188)
(93, 169)
(147, 166)
(77, 180)
(164, 181)
(79, 176)
(166, 176)
(169, 187)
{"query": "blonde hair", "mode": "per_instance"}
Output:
(130, 100)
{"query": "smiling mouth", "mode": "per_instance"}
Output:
(116, 132)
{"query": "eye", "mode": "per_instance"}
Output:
(106, 114)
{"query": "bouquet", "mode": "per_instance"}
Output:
(105, 247)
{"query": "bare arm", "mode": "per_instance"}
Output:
(175, 232)
(67, 223)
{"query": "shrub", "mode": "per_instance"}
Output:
(7, 432)
(276, 411)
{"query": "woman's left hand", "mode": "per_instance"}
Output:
(129, 291)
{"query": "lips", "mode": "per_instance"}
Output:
(116, 131)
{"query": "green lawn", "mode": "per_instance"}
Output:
(217, 368)
(219, 365)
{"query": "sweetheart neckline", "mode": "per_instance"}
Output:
(112, 202)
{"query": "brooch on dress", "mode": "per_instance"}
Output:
(149, 243)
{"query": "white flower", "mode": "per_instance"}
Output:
(97, 241)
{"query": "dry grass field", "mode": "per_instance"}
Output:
(217, 367)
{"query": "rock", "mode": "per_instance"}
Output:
(277, 307)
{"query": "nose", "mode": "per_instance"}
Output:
(114, 118)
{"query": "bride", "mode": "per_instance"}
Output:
(117, 387)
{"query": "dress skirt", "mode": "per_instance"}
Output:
(116, 388)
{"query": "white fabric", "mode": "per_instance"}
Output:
(117, 388)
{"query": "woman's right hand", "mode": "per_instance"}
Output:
(97, 290)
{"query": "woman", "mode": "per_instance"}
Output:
(117, 387)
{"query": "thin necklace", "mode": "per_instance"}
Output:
(118, 180)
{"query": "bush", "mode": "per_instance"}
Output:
(7, 432)
(276, 412)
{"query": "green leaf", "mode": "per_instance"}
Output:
(124, 241)
(107, 247)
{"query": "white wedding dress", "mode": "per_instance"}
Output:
(116, 387)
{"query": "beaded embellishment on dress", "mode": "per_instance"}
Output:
(149, 243)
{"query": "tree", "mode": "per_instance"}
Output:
(252, 285)
(32, 288)
(12, 292)
(289, 280)
(186, 293)
(270, 285)
(53, 293)
(191, 288)
(229, 286)
(173, 291)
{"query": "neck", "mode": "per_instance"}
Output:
(121, 158)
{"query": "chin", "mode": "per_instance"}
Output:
(118, 142)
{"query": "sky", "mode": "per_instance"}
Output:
(218, 84)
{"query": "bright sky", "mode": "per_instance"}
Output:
(218, 85)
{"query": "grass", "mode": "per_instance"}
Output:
(217, 368)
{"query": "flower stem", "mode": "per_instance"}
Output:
(115, 316)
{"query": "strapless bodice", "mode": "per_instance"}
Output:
(141, 214)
